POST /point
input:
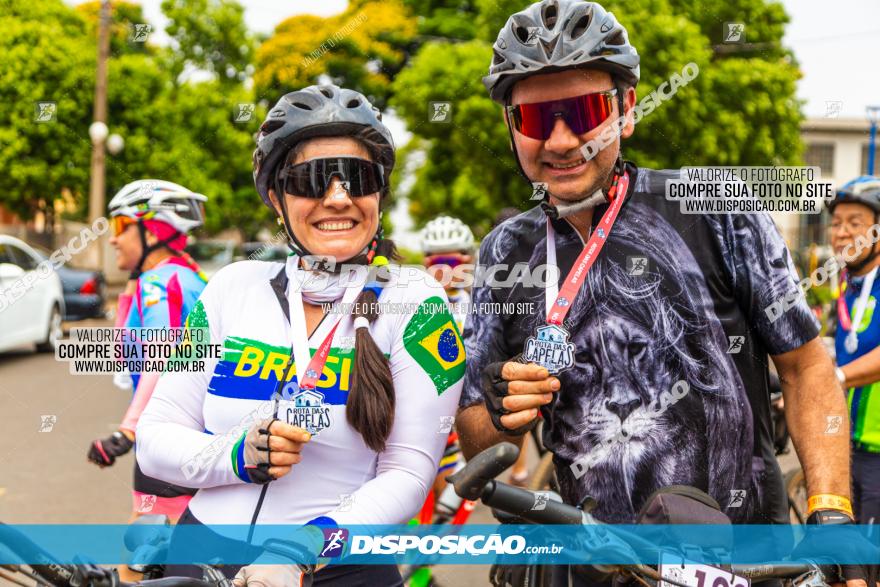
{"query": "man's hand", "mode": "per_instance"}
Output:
(259, 575)
(513, 393)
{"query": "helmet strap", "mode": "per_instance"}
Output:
(597, 198)
(857, 267)
(146, 248)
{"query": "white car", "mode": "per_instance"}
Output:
(31, 301)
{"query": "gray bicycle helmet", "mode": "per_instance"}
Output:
(555, 35)
(316, 111)
(861, 190)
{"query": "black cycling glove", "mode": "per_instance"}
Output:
(251, 453)
(494, 392)
(856, 543)
(104, 452)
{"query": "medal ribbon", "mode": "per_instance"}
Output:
(842, 308)
(308, 374)
(861, 307)
(561, 303)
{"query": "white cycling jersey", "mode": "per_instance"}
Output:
(186, 433)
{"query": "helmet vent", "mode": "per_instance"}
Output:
(616, 39)
(271, 126)
(551, 11)
(497, 58)
(580, 26)
(302, 105)
(328, 93)
(353, 103)
(522, 33)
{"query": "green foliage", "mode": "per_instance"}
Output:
(362, 49)
(183, 132)
(124, 15)
(468, 170)
(450, 19)
(210, 35)
(45, 58)
(740, 110)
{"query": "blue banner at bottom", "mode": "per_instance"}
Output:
(443, 544)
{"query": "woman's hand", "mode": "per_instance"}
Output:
(272, 576)
(269, 450)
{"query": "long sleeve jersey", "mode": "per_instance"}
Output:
(186, 433)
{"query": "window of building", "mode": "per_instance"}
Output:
(821, 155)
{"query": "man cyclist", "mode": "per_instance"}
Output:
(151, 220)
(854, 214)
(660, 347)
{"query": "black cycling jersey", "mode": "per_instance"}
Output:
(674, 302)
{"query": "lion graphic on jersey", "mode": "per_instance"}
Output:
(659, 401)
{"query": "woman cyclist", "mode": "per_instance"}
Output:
(352, 432)
(151, 219)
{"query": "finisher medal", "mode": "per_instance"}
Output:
(549, 347)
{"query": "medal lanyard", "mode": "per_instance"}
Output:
(308, 371)
(861, 307)
(558, 302)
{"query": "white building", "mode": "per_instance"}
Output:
(839, 147)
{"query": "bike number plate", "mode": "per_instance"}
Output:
(680, 571)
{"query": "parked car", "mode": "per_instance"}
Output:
(211, 255)
(84, 290)
(31, 302)
(263, 252)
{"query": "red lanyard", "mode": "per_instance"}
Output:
(842, 308)
(308, 378)
(316, 365)
(578, 274)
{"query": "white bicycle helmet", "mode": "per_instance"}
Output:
(446, 234)
(155, 199)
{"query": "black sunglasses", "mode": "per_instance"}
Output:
(312, 178)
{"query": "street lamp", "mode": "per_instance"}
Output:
(98, 132)
(115, 144)
(873, 115)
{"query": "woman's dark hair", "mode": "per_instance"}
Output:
(370, 405)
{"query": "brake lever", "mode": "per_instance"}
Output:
(813, 578)
(215, 576)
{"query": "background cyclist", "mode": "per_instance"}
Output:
(151, 220)
(351, 434)
(854, 213)
(671, 308)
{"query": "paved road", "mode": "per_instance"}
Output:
(44, 476)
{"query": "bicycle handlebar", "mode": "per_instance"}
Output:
(62, 575)
(477, 481)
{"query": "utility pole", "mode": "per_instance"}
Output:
(98, 130)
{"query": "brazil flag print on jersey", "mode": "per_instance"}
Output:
(433, 340)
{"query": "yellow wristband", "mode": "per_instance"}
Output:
(826, 501)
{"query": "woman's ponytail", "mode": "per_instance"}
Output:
(370, 406)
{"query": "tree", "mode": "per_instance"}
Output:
(125, 16)
(363, 49)
(740, 110)
(210, 35)
(46, 59)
